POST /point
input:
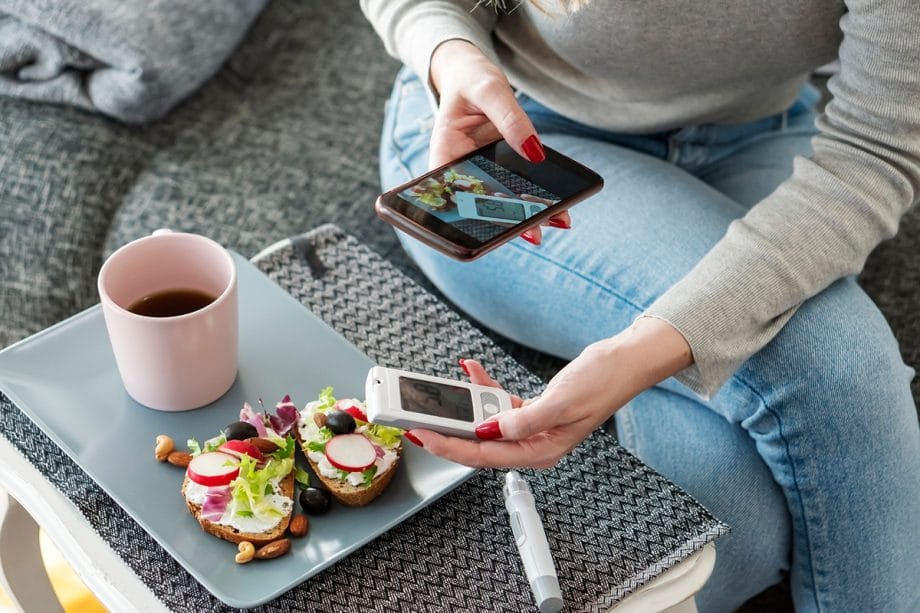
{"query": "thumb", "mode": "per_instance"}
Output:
(538, 415)
(479, 376)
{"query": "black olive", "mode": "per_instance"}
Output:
(240, 430)
(340, 422)
(315, 501)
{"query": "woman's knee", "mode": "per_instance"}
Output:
(836, 359)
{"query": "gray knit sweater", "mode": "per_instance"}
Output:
(656, 65)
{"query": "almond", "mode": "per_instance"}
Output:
(299, 525)
(274, 549)
(319, 418)
(179, 458)
(263, 444)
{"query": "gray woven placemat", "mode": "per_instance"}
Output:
(612, 522)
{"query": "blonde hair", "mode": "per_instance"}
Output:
(508, 6)
(571, 6)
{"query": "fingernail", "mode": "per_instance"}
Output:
(466, 371)
(529, 237)
(488, 430)
(411, 437)
(558, 223)
(533, 149)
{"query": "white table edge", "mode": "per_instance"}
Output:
(103, 572)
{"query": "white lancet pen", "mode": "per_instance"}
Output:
(531, 543)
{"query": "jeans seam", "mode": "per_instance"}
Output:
(795, 480)
(629, 439)
(399, 158)
(397, 98)
(581, 276)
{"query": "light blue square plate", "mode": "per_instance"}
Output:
(64, 379)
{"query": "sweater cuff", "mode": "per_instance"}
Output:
(692, 376)
(715, 357)
(429, 29)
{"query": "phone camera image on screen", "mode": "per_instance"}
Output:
(436, 399)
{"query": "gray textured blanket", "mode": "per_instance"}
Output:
(130, 59)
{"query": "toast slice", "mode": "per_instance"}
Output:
(229, 533)
(343, 491)
(386, 440)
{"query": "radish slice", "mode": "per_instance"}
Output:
(352, 407)
(213, 469)
(240, 448)
(350, 452)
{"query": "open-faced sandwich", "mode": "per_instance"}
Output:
(240, 485)
(355, 460)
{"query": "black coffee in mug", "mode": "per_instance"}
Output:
(171, 302)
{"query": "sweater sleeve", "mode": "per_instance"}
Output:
(822, 223)
(411, 29)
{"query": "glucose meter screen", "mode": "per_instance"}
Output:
(501, 209)
(438, 399)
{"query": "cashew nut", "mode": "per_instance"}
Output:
(164, 446)
(247, 552)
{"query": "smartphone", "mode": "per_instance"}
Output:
(409, 400)
(497, 209)
(472, 205)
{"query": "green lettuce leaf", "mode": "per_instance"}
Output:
(285, 448)
(214, 443)
(385, 436)
(194, 446)
(301, 476)
(326, 399)
(250, 490)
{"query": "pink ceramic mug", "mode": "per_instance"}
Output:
(177, 362)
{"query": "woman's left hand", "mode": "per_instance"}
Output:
(582, 396)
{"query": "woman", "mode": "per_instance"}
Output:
(706, 297)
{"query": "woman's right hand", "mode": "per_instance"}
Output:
(477, 106)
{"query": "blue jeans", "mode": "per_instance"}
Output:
(811, 451)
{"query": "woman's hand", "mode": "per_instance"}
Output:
(582, 396)
(477, 106)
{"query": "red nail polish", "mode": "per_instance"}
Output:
(558, 223)
(412, 438)
(533, 149)
(488, 430)
(530, 238)
(466, 371)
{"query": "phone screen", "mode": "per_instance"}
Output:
(487, 193)
(429, 398)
